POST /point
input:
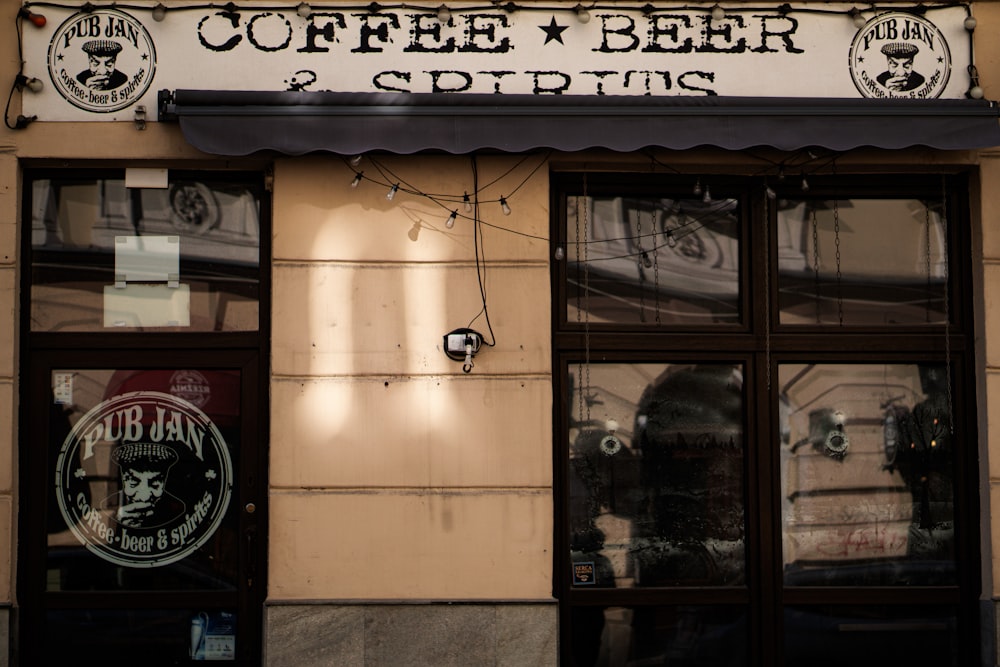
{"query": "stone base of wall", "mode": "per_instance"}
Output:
(440, 634)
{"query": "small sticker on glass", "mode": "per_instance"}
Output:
(62, 388)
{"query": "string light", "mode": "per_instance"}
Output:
(443, 13)
(36, 20)
(582, 15)
(718, 13)
(355, 161)
(697, 187)
(504, 207)
(771, 194)
(392, 192)
(304, 10)
(671, 239)
(450, 222)
(159, 12)
(707, 199)
(857, 17)
(970, 23)
(33, 84)
(357, 179)
(805, 184)
(467, 202)
(560, 254)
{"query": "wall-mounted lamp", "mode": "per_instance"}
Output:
(462, 345)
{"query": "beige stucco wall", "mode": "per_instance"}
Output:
(393, 473)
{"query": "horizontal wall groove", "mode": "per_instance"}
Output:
(372, 377)
(409, 264)
(411, 491)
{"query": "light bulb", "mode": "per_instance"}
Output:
(805, 184)
(857, 17)
(770, 193)
(357, 179)
(392, 192)
(504, 207)
(444, 14)
(646, 261)
(718, 13)
(582, 15)
(34, 85)
(37, 20)
(450, 222)
(356, 160)
(708, 196)
(671, 239)
(467, 202)
(304, 10)
(970, 23)
(976, 93)
(560, 253)
(159, 12)
(697, 187)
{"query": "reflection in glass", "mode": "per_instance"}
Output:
(866, 470)
(656, 476)
(665, 635)
(870, 636)
(138, 636)
(77, 226)
(653, 260)
(834, 266)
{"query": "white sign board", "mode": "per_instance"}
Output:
(99, 65)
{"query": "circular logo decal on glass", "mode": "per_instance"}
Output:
(900, 55)
(143, 479)
(102, 61)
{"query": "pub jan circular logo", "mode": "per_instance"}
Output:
(900, 55)
(143, 479)
(102, 60)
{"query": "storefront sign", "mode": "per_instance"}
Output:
(103, 62)
(143, 479)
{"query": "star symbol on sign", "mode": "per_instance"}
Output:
(553, 31)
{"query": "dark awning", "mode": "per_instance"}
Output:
(294, 123)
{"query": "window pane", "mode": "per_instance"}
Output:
(656, 475)
(861, 262)
(653, 261)
(143, 466)
(870, 636)
(105, 257)
(666, 635)
(867, 495)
